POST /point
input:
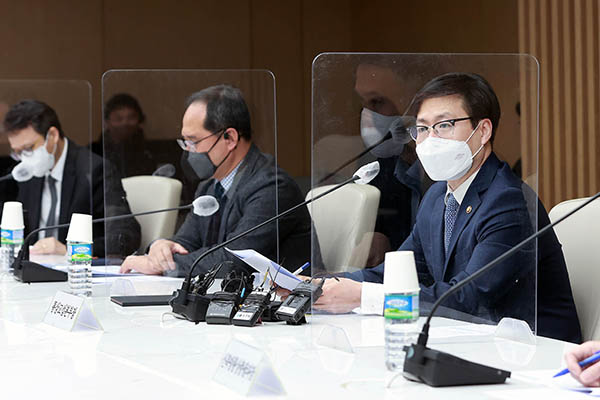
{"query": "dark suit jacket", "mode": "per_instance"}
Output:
(249, 201)
(82, 191)
(497, 221)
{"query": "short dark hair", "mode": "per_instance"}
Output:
(477, 95)
(123, 100)
(225, 108)
(37, 114)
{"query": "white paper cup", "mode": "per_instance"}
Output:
(80, 228)
(12, 216)
(400, 273)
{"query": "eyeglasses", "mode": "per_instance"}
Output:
(191, 144)
(444, 129)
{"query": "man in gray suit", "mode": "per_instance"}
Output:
(217, 139)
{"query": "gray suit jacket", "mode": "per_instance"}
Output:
(252, 199)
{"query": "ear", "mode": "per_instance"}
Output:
(231, 137)
(53, 136)
(485, 128)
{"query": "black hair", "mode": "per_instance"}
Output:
(477, 95)
(123, 100)
(37, 114)
(225, 108)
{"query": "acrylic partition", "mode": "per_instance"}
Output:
(370, 108)
(169, 136)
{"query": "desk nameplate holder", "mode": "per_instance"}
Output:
(71, 313)
(248, 371)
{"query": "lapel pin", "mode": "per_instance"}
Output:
(469, 209)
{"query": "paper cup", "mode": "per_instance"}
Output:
(400, 273)
(80, 228)
(12, 216)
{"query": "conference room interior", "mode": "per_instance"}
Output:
(307, 71)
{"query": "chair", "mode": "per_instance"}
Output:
(344, 221)
(579, 238)
(146, 193)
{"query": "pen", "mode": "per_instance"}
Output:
(302, 268)
(591, 359)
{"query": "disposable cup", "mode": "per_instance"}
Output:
(12, 216)
(400, 273)
(80, 228)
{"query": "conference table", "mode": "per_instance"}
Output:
(144, 352)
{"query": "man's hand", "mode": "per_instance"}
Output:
(589, 376)
(49, 245)
(161, 253)
(141, 264)
(339, 296)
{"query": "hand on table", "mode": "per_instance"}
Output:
(590, 375)
(141, 264)
(339, 296)
(161, 254)
(49, 245)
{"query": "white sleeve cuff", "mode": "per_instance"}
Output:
(371, 300)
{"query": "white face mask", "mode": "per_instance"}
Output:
(374, 127)
(38, 163)
(446, 159)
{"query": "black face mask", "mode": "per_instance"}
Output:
(202, 165)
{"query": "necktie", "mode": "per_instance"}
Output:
(449, 219)
(219, 190)
(51, 220)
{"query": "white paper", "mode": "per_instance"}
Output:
(100, 270)
(559, 384)
(282, 276)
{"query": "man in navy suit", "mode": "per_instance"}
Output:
(475, 212)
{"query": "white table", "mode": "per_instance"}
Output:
(139, 356)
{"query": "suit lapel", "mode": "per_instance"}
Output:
(33, 200)
(437, 237)
(67, 190)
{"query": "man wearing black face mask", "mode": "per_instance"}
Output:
(216, 135)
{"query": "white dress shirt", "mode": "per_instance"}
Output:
(56, 173)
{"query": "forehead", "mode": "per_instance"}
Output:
(193, 120)
(23, 137)
(123, 112)
(377, 80)
(437, 108)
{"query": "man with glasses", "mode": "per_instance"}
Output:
(476, 212)
(65, 179)
(216, 136)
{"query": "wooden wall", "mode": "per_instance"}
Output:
(70, 39)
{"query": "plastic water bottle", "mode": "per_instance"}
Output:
(80, 268)
(401, 312)
(12, 234)
(400, 307)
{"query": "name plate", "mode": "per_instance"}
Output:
(71, 313)
(247, 370)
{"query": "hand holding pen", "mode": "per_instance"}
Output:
(584, 355)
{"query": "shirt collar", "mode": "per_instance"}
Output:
(228, 180)
(460, 192)
(59, 168)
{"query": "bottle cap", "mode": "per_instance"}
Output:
(80, 228)
(400, 273)
(12, 216)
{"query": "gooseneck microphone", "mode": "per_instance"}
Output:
(29, 271)
(436, 368)
(362, 176)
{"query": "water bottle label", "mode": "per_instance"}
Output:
(401, 306)
(12, 237)
(80, 252)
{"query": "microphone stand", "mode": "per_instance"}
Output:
(436, 368)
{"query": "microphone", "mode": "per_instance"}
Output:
(436, 368)
(22, 174)
(166, 170)
(179, 303)
(29, 271)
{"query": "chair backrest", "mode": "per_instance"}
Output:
(146, 193)
(344, 221)
(579, 235)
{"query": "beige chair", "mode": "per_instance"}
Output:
(579, 235)
(344, 221)
(145, 193)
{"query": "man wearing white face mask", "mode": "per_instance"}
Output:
(476, 212)
(61, 178)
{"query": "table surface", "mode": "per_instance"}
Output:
(144, 353)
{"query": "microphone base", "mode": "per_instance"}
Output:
(436, 368)
(30, 272)
(194, 309)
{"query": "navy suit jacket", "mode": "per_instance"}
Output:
(492, 218)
